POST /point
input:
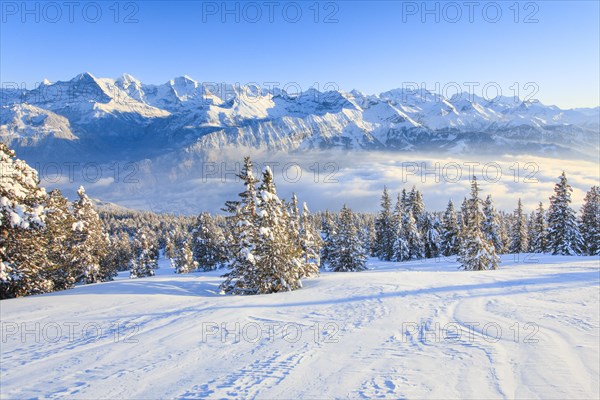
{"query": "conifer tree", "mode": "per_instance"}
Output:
(90, 243)
(348, 253)
(432, 241)
(122, 251)
(519, 238)
(563, 233)
(311, 243)
(450, 231)
(539, 242)
(278, 255)
(59, 240)
(242, 218)
(476, 252)
(590, 222)
(412, 237)
(384, 233)
(464, 218)
(491, 226)
(146, 260)
(399, 246)
(23, 263)
(170, 245)
(327, 234)
(367, 236)
(184, 259)
(208, 243)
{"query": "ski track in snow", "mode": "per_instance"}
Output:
(354, 336)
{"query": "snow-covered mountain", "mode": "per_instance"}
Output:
(98, 119)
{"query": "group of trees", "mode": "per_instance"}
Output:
(46, 243)
(272, 247)
(409, 232)
(269, 245)
(478, 233)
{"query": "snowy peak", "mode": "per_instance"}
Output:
(199, 118)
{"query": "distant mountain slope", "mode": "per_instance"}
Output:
(97, 119)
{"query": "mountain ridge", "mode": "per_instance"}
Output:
(107, 119)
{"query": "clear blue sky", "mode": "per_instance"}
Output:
(373, 46)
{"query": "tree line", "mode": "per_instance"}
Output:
(265, 243)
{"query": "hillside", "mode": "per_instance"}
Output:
(348, 335)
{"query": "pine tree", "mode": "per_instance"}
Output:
(411, 237)
(58, 235)
(539, 243)
(519, 238)
(184, 259)
(170, 245)
(477, 252)
(504, 233)
(208, 243)
(590, 222)
(563, 233)
(242, 218)
(145, 261)
(450, 231)
(432, 239)
(90, 243)
(464, 219)
(348, 253)
(327, 234)
(367, 236)
(491, 226)
(530, 231)
(311, 244)
(416, 203)
(122, 251)
(278, 254)
(384, 234)
(399, 246)
(23, 264)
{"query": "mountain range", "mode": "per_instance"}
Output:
(106, 120)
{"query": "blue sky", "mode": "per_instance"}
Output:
(373, 46)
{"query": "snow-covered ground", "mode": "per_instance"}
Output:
(529, 330)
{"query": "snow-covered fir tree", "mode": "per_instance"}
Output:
(170, 245)
(184, 259)
(537, 235)
(464, 217)
(121, 251)
(59, 241)
(504, 233)
(311, 243)
(242, 219)
(477, 253)
(412, 237)
(367, 235)
(348, 253)
(563, 232)
(90, 243)
(519, 242)
(384, 229)
(530, 228)
(145, 261)
(277, 253)
(208, 243)
(23, 263)
(399, 246)
(415, 199)
(327, 235)
(450, 231)
(491, 225)
(432, 240)
(590, 222)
